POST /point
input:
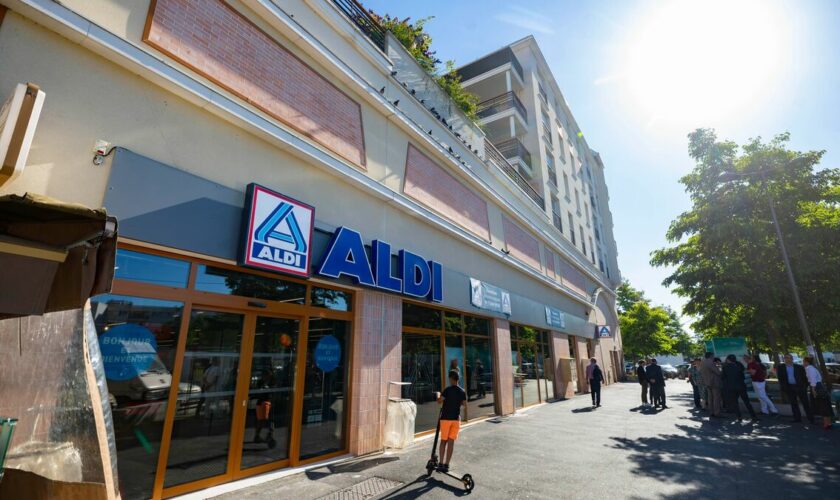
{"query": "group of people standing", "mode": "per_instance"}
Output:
(719, 385)
(652, 380)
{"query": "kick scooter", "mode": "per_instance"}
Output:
(432, 464)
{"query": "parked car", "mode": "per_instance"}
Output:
(682, 370)
(833, 370)
(669, 371)
(629, 367)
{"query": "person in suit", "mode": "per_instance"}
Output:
(794, 383)
(734, 387)
(643, 381)
(711, 376)
(657, 384)
(595, 377)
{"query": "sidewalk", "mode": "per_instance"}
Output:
(567, 450)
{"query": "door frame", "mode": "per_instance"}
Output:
(250, 308)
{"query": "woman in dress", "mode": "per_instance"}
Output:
(819, 395)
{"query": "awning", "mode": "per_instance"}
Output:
(53, 255)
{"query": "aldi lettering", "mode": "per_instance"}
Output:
(278, 232)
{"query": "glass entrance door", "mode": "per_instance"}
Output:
(271, 388)
(201, 435)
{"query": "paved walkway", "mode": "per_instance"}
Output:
(567, 450)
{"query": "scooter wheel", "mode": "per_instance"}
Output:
(431, 465)
(469, 484)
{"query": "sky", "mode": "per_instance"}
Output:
(640, 75)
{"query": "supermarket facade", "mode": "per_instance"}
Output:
(304, 217)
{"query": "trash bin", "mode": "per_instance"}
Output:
(399, 420)
(7, 427)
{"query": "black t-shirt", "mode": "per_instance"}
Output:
(452, 397)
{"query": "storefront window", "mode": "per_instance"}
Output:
(230, 282)
(479, 384)
(453, 322)
(138, 386)
(476, 326)
(154, 269)
(454, 359)
(421, 317)
(533, 366)
(421, 368)
(201, 436)
(325, 387)
(268, 420)
(337, 300)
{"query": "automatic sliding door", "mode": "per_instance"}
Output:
(268, 418)
(200, 442)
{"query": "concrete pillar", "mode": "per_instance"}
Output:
(377, 359)
(563, 388)
(504, 367)
(582, 361)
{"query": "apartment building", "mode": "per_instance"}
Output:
(528, 122)
(304, 218)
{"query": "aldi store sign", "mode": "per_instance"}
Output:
(413, 275)
(278, 232)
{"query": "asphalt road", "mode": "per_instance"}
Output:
(567, 450)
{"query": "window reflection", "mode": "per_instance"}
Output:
(421, 317)
(138, 392)
(337, 300)
(201, 438)
(230, 282)
(154, 269)
(479, 385)
(421, 367)
(325, 387)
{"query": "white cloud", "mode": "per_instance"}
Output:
(528, 19)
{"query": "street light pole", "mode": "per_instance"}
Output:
(800, 312)
(809, 344)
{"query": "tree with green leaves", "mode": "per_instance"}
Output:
(648, 329)
(725, 251)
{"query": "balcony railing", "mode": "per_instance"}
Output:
(512, 148)
(360, 17)
(499, 160)
(500, 103)
(490, 62)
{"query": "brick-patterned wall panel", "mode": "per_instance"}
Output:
(521, 245)
(377, 348)
(504, 369)
(571, 277)
(218, 42)
(549, 264)
(431, 185)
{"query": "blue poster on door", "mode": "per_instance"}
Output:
(327, 353)
(128, 350)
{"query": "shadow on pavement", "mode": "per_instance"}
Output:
(783, 462)
(423, 485)
(585, 409)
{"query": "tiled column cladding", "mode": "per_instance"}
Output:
(583, 360)
(377, 350)
(504, 368)
(560, 346)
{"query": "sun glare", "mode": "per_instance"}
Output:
(696, 61)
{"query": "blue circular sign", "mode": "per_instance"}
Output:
(127, 351)
(327, 353)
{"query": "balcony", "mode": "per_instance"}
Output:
(490, 62)
(360, 17)
(500, 104)
(515, 152)
(495, 157)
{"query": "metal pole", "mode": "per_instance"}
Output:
(809, 344)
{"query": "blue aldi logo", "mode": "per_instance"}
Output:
(278, 232)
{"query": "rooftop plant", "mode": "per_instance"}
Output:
(418, 43)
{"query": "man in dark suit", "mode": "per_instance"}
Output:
(643, 381)
(794, 382)
(657, 383)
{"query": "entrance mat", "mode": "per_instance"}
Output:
(368, 488)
